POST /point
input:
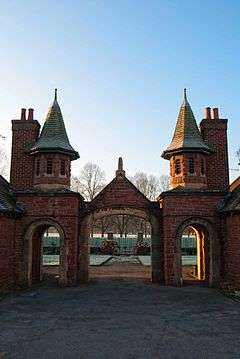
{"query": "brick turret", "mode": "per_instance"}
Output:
(25, 131)
(214, 132)
(187, 152)
(52, 153)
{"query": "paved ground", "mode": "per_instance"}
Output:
(111, 319)
(121, 270)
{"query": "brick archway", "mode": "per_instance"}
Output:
(157, 260)
(210, 259)
(33, 251)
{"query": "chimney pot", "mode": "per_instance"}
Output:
(23, 114)
(30, 114)
(215, 113)
(208, 113)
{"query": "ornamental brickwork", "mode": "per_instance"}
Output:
(39, 196)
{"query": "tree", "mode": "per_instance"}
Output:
(164, 183)
(4, 164)
(151, 186)
(90, 181)
(238, 156)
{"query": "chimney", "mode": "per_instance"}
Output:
(30, 114)
(215, 114)
(23, 114)
(208, 113)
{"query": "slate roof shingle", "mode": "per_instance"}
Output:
(7, 202)
(186, 136)
(53, 137)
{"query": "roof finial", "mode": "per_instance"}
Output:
(120, 173)
(120, 164)
(185, 94)
(55, 96)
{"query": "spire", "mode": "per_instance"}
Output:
(55, 96)
(53, 137)
(186, 136)
(185, 101)
(120, 172)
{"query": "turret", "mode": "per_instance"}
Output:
(187, 152)
(52, 152)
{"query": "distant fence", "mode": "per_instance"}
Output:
(120, 246)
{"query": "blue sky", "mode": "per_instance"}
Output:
(120, 68)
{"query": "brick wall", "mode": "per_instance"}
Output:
(56, 179)
(233, 249)
(6, 252)
(184, 178)
(179, 207)
(60, 208)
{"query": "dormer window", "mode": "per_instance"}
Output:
(49, 166)
(177, 167)
(62, 168)
(191, 166)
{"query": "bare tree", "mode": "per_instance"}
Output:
(147, 184)
(151, 186)
(90, 181)
(4, 163)
(103, 225)
(238, 156)
(164, 183)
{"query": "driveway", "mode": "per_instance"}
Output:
(119, 319)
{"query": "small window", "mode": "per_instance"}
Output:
(49, 166)
(62, 168)
(38, 167)
(177, 164)
(202, 167)
(191, 166)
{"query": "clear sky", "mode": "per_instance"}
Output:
(120, 67)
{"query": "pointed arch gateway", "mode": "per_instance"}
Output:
(121, 197)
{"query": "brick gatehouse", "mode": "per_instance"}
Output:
(39, 196)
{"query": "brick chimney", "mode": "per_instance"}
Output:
(24, 134)
(214, 133)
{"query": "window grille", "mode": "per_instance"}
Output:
(62, 168)
(38, 168)
(49, 166)
(202, 167)
(191, 166)
(177, 167)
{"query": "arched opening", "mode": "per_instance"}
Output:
(45, 253)
(119, 244)
(197, 253)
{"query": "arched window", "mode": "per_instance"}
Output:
(49, 166)
(191, 166)
(177, 166)
(62, 168)
(38, 167)
(202, 167)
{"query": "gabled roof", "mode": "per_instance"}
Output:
(7, 201)
(231, 203)
(53, 137)
(120, 193)
(186, 136)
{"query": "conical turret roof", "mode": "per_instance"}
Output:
(53, 137)
(187, 137)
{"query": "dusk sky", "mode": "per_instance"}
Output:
(120, 68)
